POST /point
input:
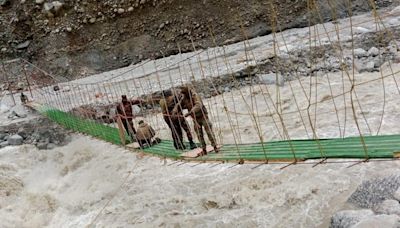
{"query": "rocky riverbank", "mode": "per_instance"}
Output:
(375, 203)
(82, 37)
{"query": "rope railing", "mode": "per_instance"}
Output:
(246, 115)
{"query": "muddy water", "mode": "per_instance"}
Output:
(68, 187)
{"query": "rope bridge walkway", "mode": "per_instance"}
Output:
(386, 146)
(279, 98)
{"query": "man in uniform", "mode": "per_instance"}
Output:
(192, 102)
(124, 110)
(175, 122)
(145, 134)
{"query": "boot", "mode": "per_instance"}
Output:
(204, 152)
(216, 149)
(192, 145)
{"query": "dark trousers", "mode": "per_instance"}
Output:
(176, 124)
(142, 142)
(127, 123)
(199, 124)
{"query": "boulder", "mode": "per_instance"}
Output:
(22, 132)
(378, 62)
(57, 6)
(18, 111)
(51, 146)
(387, 221)
(52, 8)
(373, 51)
(373, 192)
(365, 66)
(121, 11)
(23, 45)
(4, 144)
(12, 115)
(42, 145)
(359, 53)
(15, 140)
(271, 79)
(388, 207)
(349, 218)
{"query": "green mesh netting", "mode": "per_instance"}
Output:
(351, 147)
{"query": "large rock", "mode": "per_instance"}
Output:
(377, 221)
(388, 207)
(15, 140)
(51, 146)
(20, 110)
(371, 193)
(42, 145)
(52, 8)
(23, 45)
(57, 6)
(4, 144)
(368, 66)
(349, 218)
(373, 51)
(359, 53)
(22, 132)
(271, 79)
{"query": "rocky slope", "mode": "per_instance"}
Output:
(76, 38)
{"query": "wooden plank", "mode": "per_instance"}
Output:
(121, 130)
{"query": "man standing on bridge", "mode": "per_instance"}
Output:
(175, 122)
(193, 103)
(124, 111)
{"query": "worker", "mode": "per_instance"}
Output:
(196, 109)
(124, 110)
(24, 98)
(175, 122)
(145, 134)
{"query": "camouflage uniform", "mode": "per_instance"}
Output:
(199, 113)
(176, 122)
(144, 134)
